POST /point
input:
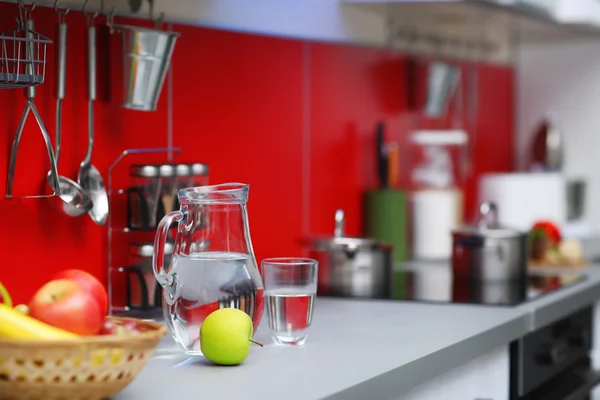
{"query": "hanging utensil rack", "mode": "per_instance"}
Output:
(25, 68)
(22, 54)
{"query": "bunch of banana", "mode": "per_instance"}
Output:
(4, 296)
(16, 325)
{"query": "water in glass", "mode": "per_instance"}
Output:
(290, 314)
(290, 291)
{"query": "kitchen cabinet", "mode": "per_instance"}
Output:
(486, 377)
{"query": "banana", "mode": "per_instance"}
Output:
(5, 296)
(15, 325)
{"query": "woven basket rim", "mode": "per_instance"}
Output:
(151, 333)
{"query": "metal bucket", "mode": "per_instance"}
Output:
(146, 58)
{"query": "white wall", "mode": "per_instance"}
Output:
(563, 80)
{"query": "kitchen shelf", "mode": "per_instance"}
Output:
(500, 25)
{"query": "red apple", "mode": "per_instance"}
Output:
(89, 283)
(65, 304)
(108, 328)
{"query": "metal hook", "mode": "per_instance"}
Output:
(89, 16)
(158, 22)
(61, 12)
(28, 9)
(110, 20)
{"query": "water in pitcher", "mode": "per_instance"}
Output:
(206, 282)
(290, 314)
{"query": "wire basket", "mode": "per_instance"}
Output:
(22, 58)
(91, 367)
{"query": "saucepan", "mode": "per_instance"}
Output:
(488, 251)
(352, 266)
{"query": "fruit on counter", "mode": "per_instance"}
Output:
(89, 283)
(547, 229)
(4, 296)
(226, 336)
(15, 325)
(22, 308)
(571, 250)
(544, 237)
(552, 256)
(65, 304)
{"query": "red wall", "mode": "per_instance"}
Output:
(293, 119)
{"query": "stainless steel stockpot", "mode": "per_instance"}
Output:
(488, 251)
(352, 266)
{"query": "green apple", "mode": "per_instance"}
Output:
(226, 336)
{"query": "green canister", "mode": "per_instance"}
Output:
(386, 219)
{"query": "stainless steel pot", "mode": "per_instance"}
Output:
(350, 266)
(489, 252)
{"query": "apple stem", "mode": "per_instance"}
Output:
(255, 342)
(53, 297)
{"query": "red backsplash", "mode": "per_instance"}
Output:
(294, 119)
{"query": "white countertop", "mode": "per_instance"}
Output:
(357, 346)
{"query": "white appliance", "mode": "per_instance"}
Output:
(524, 198)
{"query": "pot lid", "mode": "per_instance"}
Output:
(339, 240)
(488, 224)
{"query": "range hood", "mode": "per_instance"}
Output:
(492, 24)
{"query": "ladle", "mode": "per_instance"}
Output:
(74, 199)
(89, 177)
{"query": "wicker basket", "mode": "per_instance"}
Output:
(95, 367)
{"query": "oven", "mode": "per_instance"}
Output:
(553, 362)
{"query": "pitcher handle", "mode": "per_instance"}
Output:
(166, 280)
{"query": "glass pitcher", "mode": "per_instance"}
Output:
(213, 265)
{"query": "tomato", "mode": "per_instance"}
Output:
(548, 229)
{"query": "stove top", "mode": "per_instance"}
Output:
(435, 283)
(426, 286)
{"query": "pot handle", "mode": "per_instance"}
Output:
(166, 280)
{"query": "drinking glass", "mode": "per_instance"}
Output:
(290, 287)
